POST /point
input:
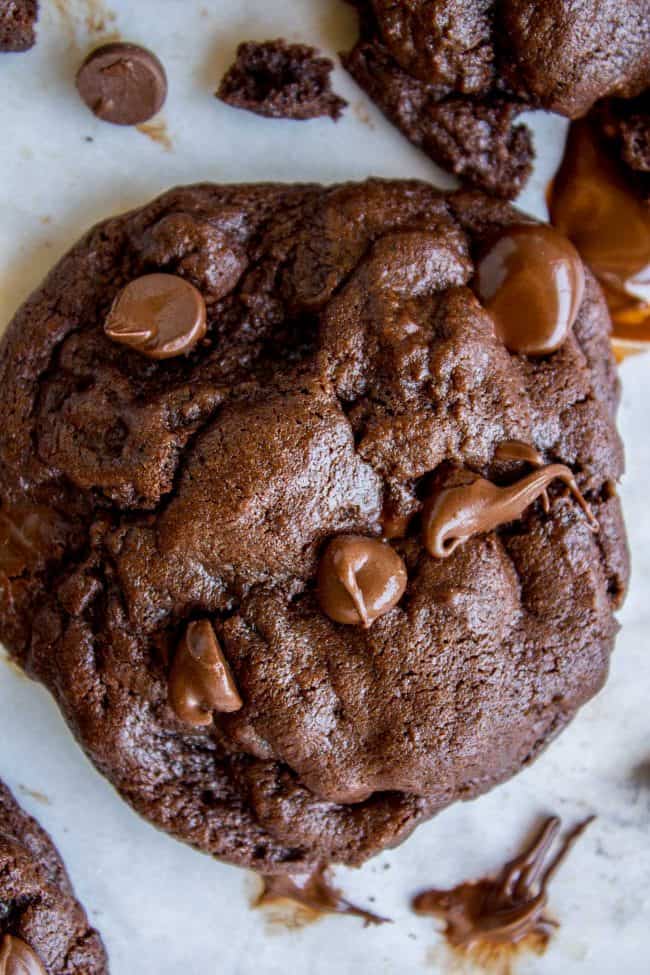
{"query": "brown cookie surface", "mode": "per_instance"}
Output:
(43, 929)
(347, 372)
(454, 76)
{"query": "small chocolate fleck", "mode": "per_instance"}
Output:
(455, 513)
(159, 315)
(486, 919)
(201, 681)
(312, 894)
(122, 83)
(28, 533)
(531, 280)
(17, 958)
(359, 579)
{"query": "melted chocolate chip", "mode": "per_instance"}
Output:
(456, 513)
(394, 525)
(201, 681)
(500, 913)
(122, 83)
(359, 579)
(531, 280)
(160, 315)
(311, 893)
(27, 533)
(608, 220)
(518, 450)
(17, 958)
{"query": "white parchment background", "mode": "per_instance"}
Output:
(164, 909)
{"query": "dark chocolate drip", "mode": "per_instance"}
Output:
(313, 893)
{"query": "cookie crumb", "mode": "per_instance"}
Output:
(17, 21)
(280, 80)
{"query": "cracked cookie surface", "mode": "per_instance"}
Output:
(454, 76)
(40, 920)
(345, 364)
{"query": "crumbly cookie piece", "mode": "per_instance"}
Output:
(281, 80)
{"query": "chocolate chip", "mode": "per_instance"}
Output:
(160, 315)
(457, 512)
(201, 680)
(531, 280)
(122, 83)
(17, 958)
(359, 579)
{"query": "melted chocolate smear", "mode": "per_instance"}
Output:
(487, 921)
(456, 513)
(607, 218)
(305, 898)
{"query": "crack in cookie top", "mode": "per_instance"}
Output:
(219, 561)
(455, 75)
(43, 929)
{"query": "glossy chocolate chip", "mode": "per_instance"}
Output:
(359, 579)
(159, 315)
(122, 83)
(531, 280)
(201, 681)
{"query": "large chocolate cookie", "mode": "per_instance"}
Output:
(453, 76)
(213, 409)
(43, 929)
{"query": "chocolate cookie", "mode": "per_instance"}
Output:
(306, 542)
(454, 76)
(17, 20)
(280, 80)
(43, 929)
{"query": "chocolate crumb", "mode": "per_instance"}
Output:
(281, 80)
(17, 20)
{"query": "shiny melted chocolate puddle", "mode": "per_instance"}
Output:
(595, 203)
(295, 900)
(488, 922)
